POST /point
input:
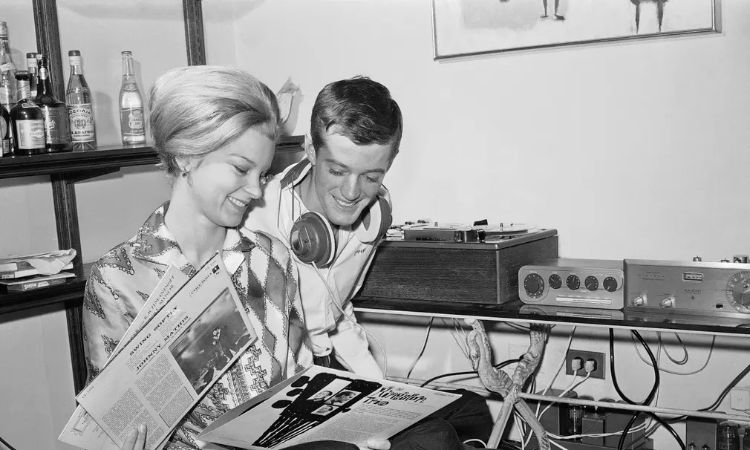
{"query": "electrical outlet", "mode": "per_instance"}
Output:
(596, 357)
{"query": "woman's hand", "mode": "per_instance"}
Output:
(378, 444)
(136, 440)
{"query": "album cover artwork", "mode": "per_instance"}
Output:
(325, 404)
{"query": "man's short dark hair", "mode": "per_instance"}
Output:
(360, 109)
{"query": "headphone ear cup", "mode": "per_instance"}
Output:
(375, 222)
(312, 239)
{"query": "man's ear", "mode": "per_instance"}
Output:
(309, 149)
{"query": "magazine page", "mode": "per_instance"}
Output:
(173, 360)
(82, 430)
(325, 404)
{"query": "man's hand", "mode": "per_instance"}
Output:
(136, 440)
(377, 444)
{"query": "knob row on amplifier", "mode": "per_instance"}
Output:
(573, 282)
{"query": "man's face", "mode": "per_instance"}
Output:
(345, 178)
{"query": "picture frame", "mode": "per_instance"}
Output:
(476, 27)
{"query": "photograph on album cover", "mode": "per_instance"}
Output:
(211, 341)
(301, 410)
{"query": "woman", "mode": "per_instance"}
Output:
(214, 129)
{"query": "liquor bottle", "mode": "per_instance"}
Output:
(4, 132)
(32, 67)
(8, 86)
(132, 125)
(56, 130)
(80, 111)
(27, 120)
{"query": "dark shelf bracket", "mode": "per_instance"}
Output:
(196, 48)
(48, 41)
(68, 236)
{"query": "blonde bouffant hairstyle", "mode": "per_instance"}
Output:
(198, 109)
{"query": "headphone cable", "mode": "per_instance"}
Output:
(336, 301)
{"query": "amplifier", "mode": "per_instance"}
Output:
(593, 283)
(713, 288)
(468, 272)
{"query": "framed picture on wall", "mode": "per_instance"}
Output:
(475, 27)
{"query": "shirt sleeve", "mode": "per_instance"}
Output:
(104, 322)
(351, 347)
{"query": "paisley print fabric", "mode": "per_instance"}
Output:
(265, 278)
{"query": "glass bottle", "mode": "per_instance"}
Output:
(132, 124)
(32, 67)
(746, 439)
(80, 110)
(56, 130)
(4, 131)
(27, 120)
(7, 70)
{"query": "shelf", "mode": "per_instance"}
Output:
(518, 312)
(110, 158)
(61, 293)
(80, 161)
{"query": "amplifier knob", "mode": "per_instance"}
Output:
(573, 282)
(667, 302)
(555, 282)
(534, 285)
(610, 284)
(738, 291)
(640, 300)
(591, 283)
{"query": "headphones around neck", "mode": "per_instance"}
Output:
(313, 240)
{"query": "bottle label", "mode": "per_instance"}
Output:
(131, 120)
(56, 125)
(6, 98)
(81, 122)
(30, 134)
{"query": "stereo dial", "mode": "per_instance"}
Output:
(738, 291)
(534, 285)
(591, 283)
(573, 282)
(610, 284)
(555, 282)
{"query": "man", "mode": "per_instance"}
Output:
(355, 134)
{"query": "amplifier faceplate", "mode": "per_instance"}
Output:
(688, 287)
(587, 283)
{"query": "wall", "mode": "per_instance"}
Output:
(634, 149)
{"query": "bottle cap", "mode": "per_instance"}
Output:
(127, 53)
(31, 60)
(74, 56)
